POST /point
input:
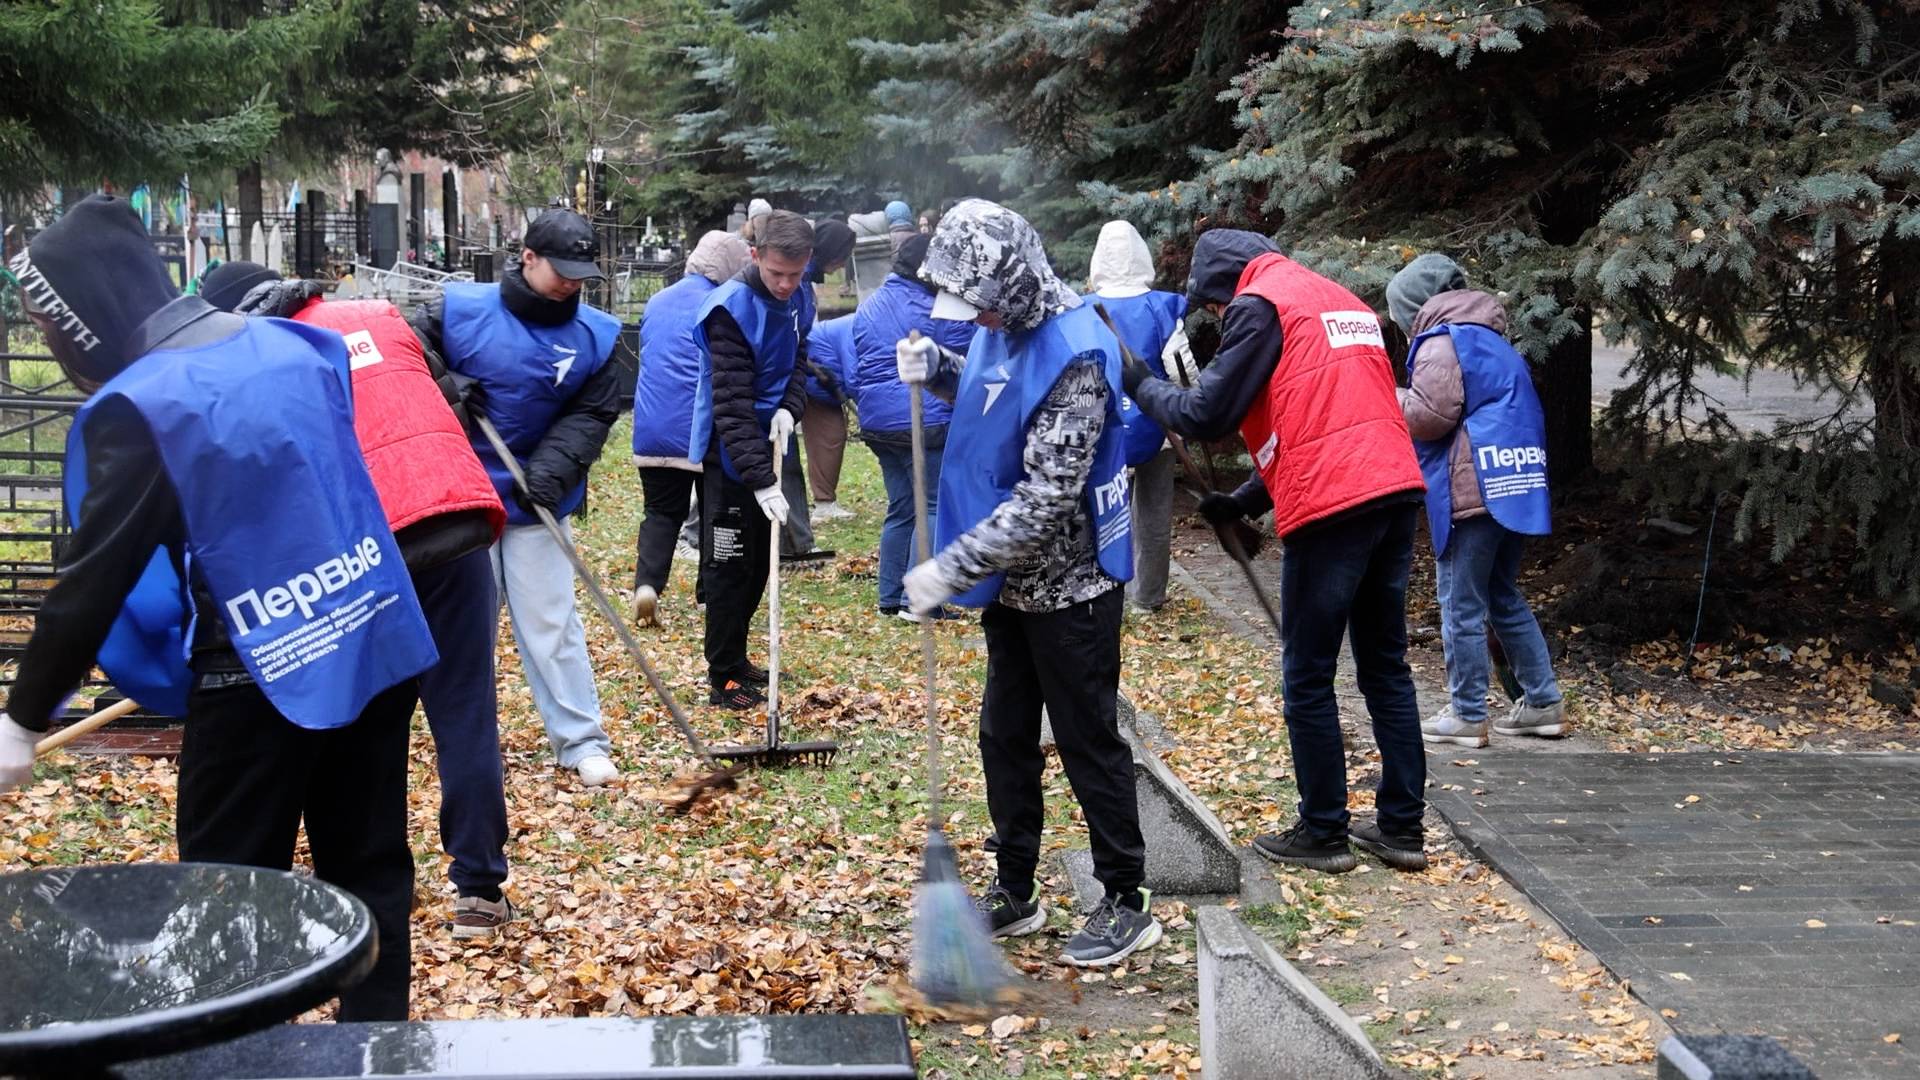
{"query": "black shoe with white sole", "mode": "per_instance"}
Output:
(1010, 916)
(1399, 852)
(1299, 847)
(1114, 931)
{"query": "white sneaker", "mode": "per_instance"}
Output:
(645, 603)
(1445, 727)
(907, 615)
(1546, 722)
(595, 771)
(686, 553)
(831, 511)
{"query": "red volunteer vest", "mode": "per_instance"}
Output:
(1328, 434)
(421, 462)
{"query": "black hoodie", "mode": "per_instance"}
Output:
(95, 272)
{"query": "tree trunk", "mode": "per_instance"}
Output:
(1893, 350)
(1565, 385)
(249, 182)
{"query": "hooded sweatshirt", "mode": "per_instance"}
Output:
(1042, 535)
(1435, 403)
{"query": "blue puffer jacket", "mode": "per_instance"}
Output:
(669, 368)
(829, 353)
(899, 305)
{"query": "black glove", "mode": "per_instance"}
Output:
(1220, 508)
(1133, 371)
(472, 394)
(539, 495)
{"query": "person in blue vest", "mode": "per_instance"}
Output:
(746, 405)
(534, 361)
(901, 305)
(828, 354)
(1477, 424)
(1121, 280)
(1034, 527)
(229, 563)
(663, 411)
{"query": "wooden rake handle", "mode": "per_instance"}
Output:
(84, 727)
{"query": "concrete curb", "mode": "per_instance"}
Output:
(1260, 1019)
(1189, 852)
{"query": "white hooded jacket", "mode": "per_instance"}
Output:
(1123, 266)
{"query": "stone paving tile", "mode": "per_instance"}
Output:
(1767, 893)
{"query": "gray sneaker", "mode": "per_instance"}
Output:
(1445, 727)
(475, 917)
(1113, 932)
(1546, 722)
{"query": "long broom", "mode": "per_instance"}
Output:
(954, 958)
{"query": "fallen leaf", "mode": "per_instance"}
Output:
(1815, 924)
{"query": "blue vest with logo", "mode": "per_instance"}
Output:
(669, 369)
(1146, 322)
(1506, 430)
(830, 348)
(1007, 378)
(898, 307)
(529, 374)
(773, 332)
(283, 528)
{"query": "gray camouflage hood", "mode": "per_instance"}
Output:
(990, 257)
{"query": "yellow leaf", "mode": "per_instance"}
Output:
(1893, 1038)
(1815, 924)
(974, 1031)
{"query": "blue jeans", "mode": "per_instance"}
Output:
(1348, 579)
(1477, 584)
(895, 451)
(462, 607)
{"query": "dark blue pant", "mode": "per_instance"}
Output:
(1348, 579)
(462, 709)
(894, 449)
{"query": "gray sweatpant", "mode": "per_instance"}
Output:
(1152, 530)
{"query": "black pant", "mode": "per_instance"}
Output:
(461, 700)
(668, 493)
(734, 540)
(1069, 661)
(1348, 579)
(248, 776)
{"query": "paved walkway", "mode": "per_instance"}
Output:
(1768, 893)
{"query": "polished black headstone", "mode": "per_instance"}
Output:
(1729, 1057)
(731, 1047)
(106, 963)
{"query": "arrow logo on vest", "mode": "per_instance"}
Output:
(564, 364)
(994, 389)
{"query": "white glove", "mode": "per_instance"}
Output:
(1177, 358)
(913, 360)
(926, 588)
(772, 503)
(16, 753)
(781, 434)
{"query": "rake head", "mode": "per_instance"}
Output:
(819, 753)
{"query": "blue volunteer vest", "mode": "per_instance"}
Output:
(1006, 379)
(1146, 322)
(1506, 430)
(773, 331)
(898, 307)
(529, 374)
(669, 369)
(283, 526)
(830, 348)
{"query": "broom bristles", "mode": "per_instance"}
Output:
(955, 961)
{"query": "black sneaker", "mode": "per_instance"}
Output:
(1112, 933)
(1010, 916)
(1399, 852)
(734, 694)
(753, 676)
(1299, 847)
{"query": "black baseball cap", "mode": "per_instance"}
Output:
(566, 240)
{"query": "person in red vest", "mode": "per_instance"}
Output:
(445, 515)
(1303, 372)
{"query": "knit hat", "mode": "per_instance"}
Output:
(899, 214)
(1418, 282)
(226, 285)
(832, 242)
(94, 274)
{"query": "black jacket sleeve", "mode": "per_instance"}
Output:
(1249, 351)
(130, 511)
(573, 443)
(734, 424)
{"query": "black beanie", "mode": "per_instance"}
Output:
(913, 252)
(832, 242)
(96, 276)
(226, 285)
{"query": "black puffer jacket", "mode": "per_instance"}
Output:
(734, 369)
(573, 442)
